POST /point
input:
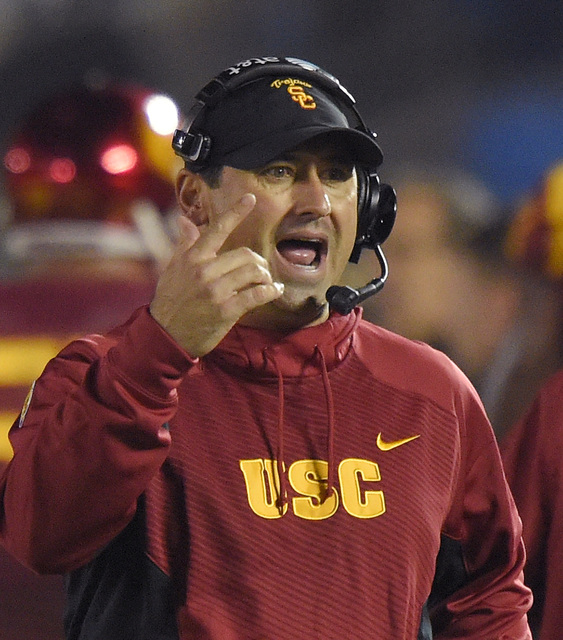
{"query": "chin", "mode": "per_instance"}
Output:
(288, 313)
(302, 310)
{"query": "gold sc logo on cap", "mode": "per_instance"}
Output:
(296, 91)
(298, 94)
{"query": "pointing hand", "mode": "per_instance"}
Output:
(202, 293)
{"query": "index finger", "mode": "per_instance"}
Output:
(213, 238)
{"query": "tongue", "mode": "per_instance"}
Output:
(298, 253)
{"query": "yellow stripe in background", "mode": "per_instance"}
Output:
(6, 421)
(22, 359)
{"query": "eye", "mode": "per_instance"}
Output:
(339, 172)
(278, 171)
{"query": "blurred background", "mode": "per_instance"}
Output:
(467, 81)
(466, 97)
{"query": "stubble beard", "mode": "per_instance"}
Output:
(288, 313)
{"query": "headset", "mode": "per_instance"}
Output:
(377, 203)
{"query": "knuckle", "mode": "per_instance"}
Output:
(258, 273)
(221, 227)
(200, 272)
(216, 298)
(248, 254)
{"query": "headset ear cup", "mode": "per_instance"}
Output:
(377, 208)
(386, 214)
(368, 197)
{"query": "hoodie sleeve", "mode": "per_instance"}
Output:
(92, 435)
(482, 594)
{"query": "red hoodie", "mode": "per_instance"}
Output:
(339, 482)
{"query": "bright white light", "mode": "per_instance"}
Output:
(162, 114)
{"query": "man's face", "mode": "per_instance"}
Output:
(304, 225)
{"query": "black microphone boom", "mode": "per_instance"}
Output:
(344, 299)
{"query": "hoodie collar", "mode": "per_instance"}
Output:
(254, 351)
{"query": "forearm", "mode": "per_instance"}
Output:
(93, 438)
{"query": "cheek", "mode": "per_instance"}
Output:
(349, 227)
(252, 231)
(352, 227)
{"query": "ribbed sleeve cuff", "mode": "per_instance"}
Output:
(148, 359)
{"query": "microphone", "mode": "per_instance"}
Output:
(344, 299)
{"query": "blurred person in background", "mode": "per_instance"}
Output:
(89, 181)
(453, 286)
(533, 450)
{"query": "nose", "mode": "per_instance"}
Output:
(311, 195)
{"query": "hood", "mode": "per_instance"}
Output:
(263, 353)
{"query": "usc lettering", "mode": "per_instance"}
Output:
(308, 478)
(263, 487)
(305, 100)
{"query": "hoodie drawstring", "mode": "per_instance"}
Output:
(280, 462)
(282, 498)
(331, 420)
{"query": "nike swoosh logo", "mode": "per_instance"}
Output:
(393, 444)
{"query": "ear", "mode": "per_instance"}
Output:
(190, 193)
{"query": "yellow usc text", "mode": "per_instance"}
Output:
(308, 478)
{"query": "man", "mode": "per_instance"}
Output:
(532, 455)
(532, 449)
(238, 461)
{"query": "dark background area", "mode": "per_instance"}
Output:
(474, 84)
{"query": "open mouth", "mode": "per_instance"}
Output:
(302, 252)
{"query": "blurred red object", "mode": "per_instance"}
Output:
(86, 155)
